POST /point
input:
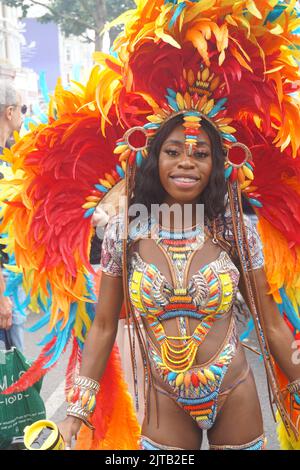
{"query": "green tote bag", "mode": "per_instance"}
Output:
(20, 409)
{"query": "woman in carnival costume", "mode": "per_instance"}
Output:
(190, 83)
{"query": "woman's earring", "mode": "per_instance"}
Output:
(132, 148)
(241, 171)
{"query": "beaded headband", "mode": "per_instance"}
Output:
(241, 171)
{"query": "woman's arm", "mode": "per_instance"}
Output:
(102, 335)
(99, 343)
(279, 336)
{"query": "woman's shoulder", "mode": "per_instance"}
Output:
(112, 247)
(115, 226)
(225, 230)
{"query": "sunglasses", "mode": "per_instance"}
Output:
(23, 108)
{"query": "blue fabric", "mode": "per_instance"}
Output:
(18, 320)
(146, 445)
(17, 336)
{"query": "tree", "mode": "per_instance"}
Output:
(83, 18)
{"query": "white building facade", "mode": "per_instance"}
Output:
(11, 40)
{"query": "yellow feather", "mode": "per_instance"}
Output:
(275, 69)
(227, 129)
(167, 38)
(230, 20)
(240, 59)
(120, 149)
(257, 121)
(286, 442)
(89, 205)
(110, 179)
(208, 107)
(277, 30)
(180, 101)
(205, 74)
(253, 9)
(92, 198)
(248, 173)
(245, 185)
(16, 136)
(105, 183)
(195, 11)
(244, 23)
(197, 39)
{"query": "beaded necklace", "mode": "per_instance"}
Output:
(179, 246)
(178, 353)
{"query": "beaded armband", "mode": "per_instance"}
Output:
(294, 387)
(82, 399)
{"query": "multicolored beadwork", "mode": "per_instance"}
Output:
(192, 126)
(197, 389)
(207, 296)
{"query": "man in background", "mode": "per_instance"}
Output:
(11, 111)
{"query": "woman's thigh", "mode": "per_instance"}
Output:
(169, 425)
(240, 419)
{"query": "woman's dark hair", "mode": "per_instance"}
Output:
(148, 188)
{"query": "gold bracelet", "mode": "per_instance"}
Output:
(87, 383)
(82, 399)
(77, 412)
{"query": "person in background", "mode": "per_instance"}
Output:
(11, 112)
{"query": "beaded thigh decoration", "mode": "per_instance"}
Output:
(257, 444)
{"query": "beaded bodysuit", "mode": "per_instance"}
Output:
(207, 297)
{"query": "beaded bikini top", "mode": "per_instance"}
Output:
(208, 296)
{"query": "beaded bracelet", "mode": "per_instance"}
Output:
(294, 387)
(82, 399)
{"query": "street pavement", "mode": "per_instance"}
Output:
(53, 385)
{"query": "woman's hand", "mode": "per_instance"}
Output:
(100, 217)
(69, 428)
(5, 312)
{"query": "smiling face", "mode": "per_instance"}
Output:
(184, 176)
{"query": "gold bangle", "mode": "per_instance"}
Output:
(82, 399)
(80, 414)
(87, 383)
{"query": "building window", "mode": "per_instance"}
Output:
(68, 55)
